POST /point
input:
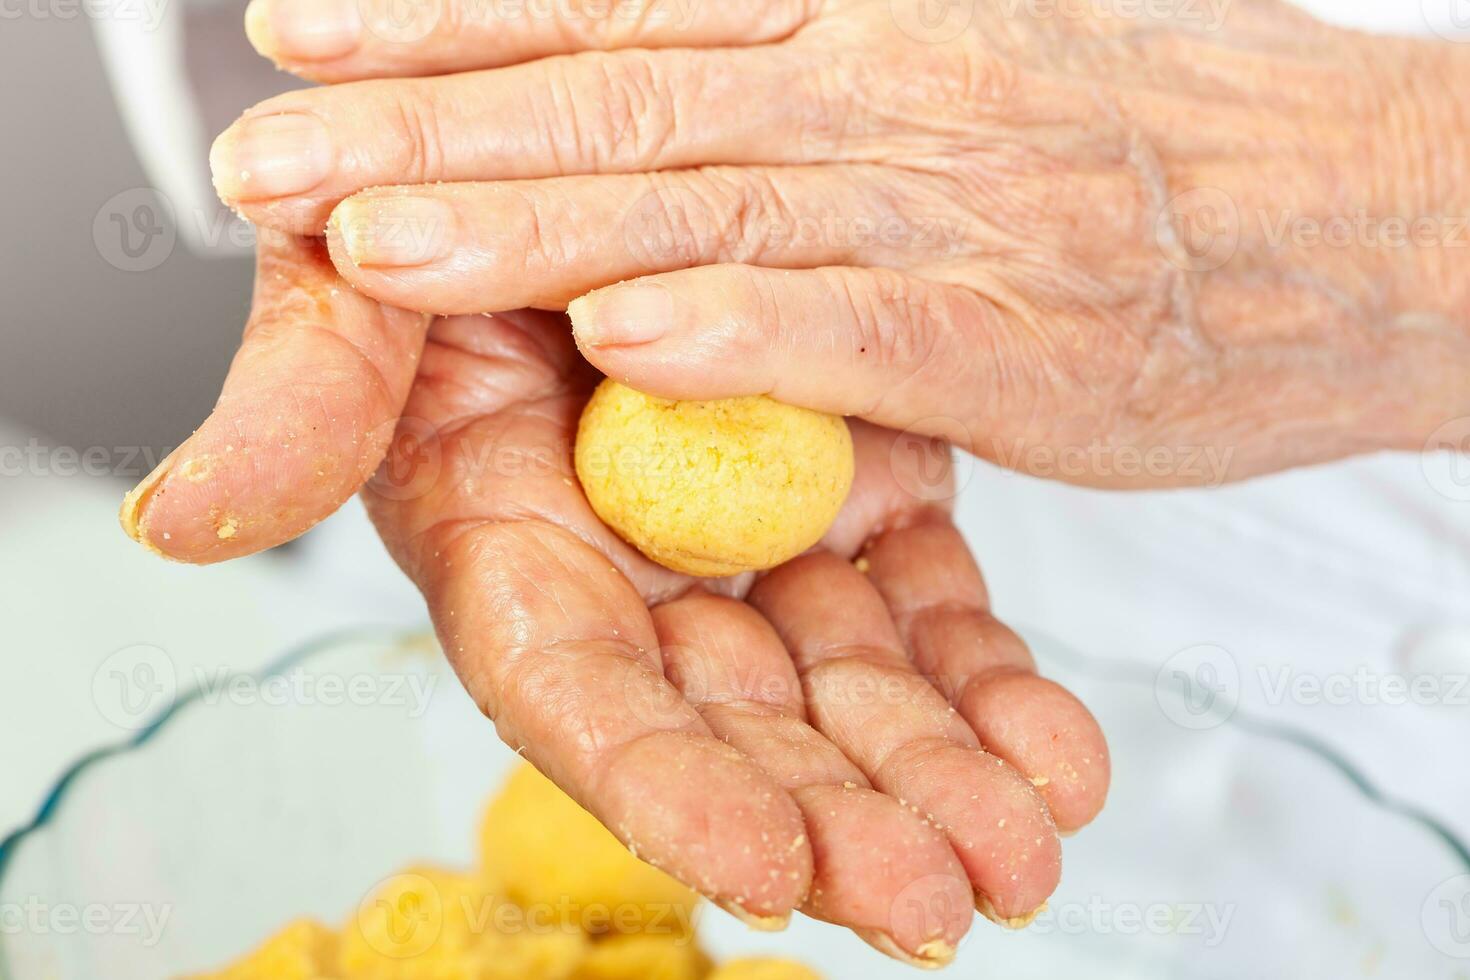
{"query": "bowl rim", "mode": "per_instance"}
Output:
(1109, 670)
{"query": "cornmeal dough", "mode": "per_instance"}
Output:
(556, 898)
(763, 969)
(712, 488)
(554, 858)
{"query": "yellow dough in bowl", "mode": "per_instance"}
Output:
(712, 488)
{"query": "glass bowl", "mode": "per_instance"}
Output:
(1229, 849)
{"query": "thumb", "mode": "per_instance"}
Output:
(305, 417)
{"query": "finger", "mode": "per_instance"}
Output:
(891, 348)
(879, 869)
(305, 417)
(289, 160)
(339, 40)
(934, 590)
(865, 695)
(554, 643)
(489, 246)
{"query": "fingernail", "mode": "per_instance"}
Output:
(304, 30)
(633, 314)
(933, 955)
(131, 514)
(271, 156)
(987, 908)
(760, 923)
(395, 232)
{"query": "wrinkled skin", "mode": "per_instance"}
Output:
(1047, 232)
(872, 747)
(1038, 237)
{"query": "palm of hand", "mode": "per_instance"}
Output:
(777, 745)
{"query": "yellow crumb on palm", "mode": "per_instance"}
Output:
(557, 861)
(712, 488)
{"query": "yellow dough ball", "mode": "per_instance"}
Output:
(419, 916)
(763, 969)
(644, 958)
(557, 861)
(303, 950)
(430, 924)
(712, 488)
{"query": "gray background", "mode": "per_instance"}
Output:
(91, 355)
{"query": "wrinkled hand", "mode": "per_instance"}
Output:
(872, 747)
(1085, 247)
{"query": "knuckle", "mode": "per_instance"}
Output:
(635, 123)
(751, 206)
(832, 113)
(545, 244)
(414, 120)
(896, 320)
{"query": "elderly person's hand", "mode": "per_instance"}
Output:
(1078, 242)
(872, 747)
